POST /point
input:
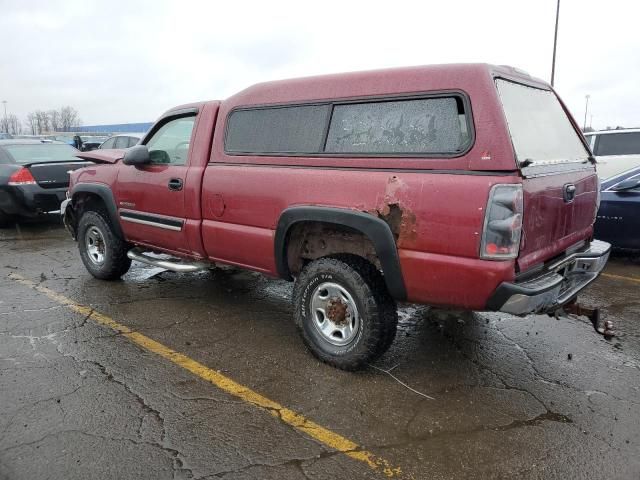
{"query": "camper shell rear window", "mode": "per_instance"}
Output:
(427, 125)
(540, 129)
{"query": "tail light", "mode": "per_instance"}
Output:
(502, 223)
(22, 177)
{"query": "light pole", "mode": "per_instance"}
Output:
(6, 123)
(586, 109)
(555, 44)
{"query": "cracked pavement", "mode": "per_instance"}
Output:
(528, 397)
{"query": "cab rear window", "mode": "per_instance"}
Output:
(435, 126)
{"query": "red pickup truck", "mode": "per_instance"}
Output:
(465, 186)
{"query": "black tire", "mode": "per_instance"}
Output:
(378, 316)
(115, 262)
(6, 220)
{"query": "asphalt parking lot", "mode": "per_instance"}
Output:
(164, 375)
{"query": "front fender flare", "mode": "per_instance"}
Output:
(105, 193)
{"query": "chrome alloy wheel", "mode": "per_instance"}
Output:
(334, 313)
(94, 244)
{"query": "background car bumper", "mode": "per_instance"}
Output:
(560, 282)
(30, 200)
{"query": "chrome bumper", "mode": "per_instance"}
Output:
(560, 282)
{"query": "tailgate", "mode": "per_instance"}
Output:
(54, 174)
(559, 210)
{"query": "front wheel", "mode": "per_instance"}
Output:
(103, 252)
(343, 310)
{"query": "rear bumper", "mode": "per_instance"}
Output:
(559, 283)
(30, 200)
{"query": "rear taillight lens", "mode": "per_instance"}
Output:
(22, 177)
(502, 223)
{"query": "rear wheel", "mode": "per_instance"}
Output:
(103, 253)
(344, 312)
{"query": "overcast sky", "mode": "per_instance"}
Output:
(128, 61)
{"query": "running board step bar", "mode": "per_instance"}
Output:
(180, 267)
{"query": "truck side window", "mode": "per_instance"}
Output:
(170, 144)
(407, 126)
(297, 129)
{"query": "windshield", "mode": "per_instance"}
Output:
(618, 144)
(41, 152)
(539, 127)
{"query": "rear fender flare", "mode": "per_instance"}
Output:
(372, 227)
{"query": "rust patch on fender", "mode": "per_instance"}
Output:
(397, 213)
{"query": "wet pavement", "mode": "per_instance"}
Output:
(531, 397)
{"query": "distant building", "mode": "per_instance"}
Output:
(115, 128)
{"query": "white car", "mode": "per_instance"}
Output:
(615, 150)
(124, 140)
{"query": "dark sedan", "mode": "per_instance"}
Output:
(34, 177)
(619, 215)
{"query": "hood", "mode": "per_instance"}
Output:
(102, 156)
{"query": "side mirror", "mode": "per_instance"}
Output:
(137, 155)
(629, 184)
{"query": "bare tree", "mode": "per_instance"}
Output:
(13, 125)
(6, 122)
(42, 120)
(32, 124)
(62, 119)
(69, 118)
(54, 119)
(38, 122)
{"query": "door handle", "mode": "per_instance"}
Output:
(175, 184)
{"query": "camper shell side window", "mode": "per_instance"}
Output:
(437, 125)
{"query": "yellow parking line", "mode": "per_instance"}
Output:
(621, 277)
(296, 420)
